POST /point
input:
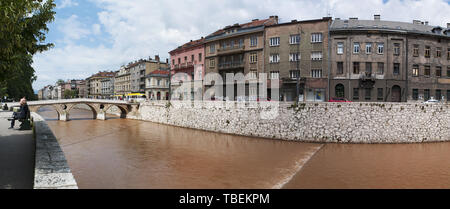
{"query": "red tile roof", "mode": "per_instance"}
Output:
(188, 45)
(161, 72)
(254, 23)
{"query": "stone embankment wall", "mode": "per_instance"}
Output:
(311, 122)
(51, 168)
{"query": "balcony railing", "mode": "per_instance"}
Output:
(183, 65)
(229, 65)
(231, 49)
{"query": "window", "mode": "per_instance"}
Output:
(212, 48)
(274, 74)
(294, 39)
(340, 68)
(396, 68)
(192, 58)
(253, 74)
(253, 58)
(274, 58)
(253, 41)
(368, 48)
(368, 94)
(438, 71)
(380, 94)
(316, 55)
(415, 70)
(241, 42)
(355, 93)
(185, 59)
(438, 94)
(438, 52)
(380, 48)
(448, 95)
(293, 57)
(426, 94)
(173, 61)
(212, 63)
(415, 94)
(427, 71)
(294, 73)
(355, 48)
(179, 60)
(380, 68)
(448, 54)
(369, 67)
(199, 57)
(448, 71)
(355, 67)
(316, 37)
(427, 51)
(317, 73)
(275, 41)
(340, 48)
(396, 49)
(416, 50)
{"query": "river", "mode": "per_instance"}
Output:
(124, 153)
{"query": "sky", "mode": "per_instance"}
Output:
(99, 35)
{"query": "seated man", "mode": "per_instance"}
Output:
(22, 114)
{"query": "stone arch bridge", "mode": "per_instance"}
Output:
(98, 107)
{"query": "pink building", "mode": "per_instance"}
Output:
(187, 64)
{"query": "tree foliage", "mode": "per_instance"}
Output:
(23, 28)
(68, 94)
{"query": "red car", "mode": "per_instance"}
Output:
(338, 99)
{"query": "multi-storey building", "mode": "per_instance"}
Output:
(140, 68)
(237, 49)
(82, 88)
(187, 65)
(94, 84)
(107, 87)
(122, 85)
(296, 53)
(157, 85)
(375, 60)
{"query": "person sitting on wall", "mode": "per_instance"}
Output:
(22, 114)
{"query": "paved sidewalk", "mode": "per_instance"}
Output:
(17, 150)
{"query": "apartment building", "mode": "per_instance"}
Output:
(94, 84)
(238, 50)
(296, 53)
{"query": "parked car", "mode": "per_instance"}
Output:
(431, 101)
(338, 99)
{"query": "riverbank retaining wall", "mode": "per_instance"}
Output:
(310, 122)
(51, 168)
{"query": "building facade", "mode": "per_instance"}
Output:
(296, 53)
(236, 49)
(187, 65)
(387, 61)
(122, 85)
(157, 85)
(107, 87)
(94, 84)
(138, 71)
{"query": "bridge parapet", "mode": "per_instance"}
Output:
(98, 107)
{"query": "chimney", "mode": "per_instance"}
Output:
(157, 58)
(255, 20)
(417, 22)
(448, 25)
(293, 20)
(274, 17)
(426, 22)
(376, 17)
(167, 60)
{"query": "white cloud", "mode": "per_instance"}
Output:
(142, 28)
(66, 3)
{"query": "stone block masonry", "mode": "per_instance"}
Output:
(312, 122)
(51, 168)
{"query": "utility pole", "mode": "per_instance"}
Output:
(297, 97)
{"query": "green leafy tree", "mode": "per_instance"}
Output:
(22, 34)
(70, 93)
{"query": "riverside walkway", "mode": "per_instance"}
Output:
(17, 155)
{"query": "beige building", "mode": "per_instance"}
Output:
(157, 85)
(122, 84)
(237, 49)
(94, 83)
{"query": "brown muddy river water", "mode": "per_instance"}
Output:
(123, 153)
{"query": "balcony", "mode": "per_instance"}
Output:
(230, 50)
(231, 65)
(367, 80)
(183, 65)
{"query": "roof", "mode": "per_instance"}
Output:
(158, 73)
(103, 74)
(240, 27)
(189, 45)
(355, 24)
(324, 19)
